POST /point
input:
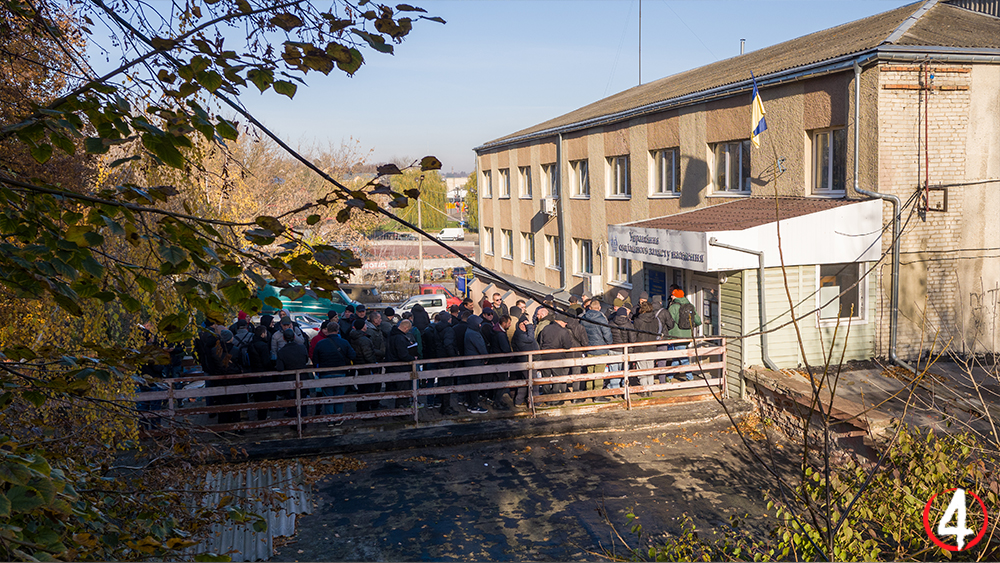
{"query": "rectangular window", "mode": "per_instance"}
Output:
(622, 272)
(841, 292)
(551, 180)
(732, 167)
(507, 243)
(524, 181)
(667, 172)
(528, 248)
(553, 254)
(584, 256)
(504, 182)
(580, 179)
(829, 161)
(487, 184)
(488, 240)
(618, 177)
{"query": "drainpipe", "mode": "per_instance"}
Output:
(560, 212)
(760, 299)
(894, 200)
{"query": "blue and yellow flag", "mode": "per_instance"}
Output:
(757, 122)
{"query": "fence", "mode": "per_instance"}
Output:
(707, 357)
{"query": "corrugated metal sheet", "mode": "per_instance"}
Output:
(240, 541)
(731, 317)
(988, 7)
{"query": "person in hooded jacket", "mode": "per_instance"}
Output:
(580, 340)
(399, 348)
(598, 334)
(461, 325)
(347, 322)
(361, 341)
(647, 330)
(259, 354)
(446, 350)
(421, 319)
(621, 333)
(501, 345)
(475, 345)
(523, 341)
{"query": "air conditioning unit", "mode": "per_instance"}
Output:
(548, 206)
(592, 284)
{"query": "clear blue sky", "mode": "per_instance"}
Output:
(500, 66)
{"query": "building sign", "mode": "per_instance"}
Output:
(677, 249)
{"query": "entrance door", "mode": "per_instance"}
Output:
(704, 296)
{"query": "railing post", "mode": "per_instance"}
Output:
(298, 401)
(628, 393)
(415, 384)
(725, 368)
(170, 401)
(531, 383)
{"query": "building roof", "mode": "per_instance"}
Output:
(742, 214)
(926, 23)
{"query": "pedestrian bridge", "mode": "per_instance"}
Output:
(183, 399)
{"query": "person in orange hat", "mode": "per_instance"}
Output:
(682, 318)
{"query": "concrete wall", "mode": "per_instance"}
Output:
(950, 283)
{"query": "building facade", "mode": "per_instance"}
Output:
(660, 185)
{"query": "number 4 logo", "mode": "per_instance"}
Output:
(955, 511)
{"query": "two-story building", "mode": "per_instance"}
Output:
(660, 185)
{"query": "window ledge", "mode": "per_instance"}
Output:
(832, 323)
(507, 257)
(580, 197)
(488, 253)
(582, 275)
(527, 263)
(621, 284)
(504, 197)
(664, 195)
(525, 197)
(729, 194)
(554, 268)
(618, 197)
(832, 194)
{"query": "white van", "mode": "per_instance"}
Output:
(433, 303)
(452, 233)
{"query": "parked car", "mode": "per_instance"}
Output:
(432, 288)
(433, 303)
(406, 236)
(308, 323)
(458, 272)
(452, 233)
(362, 293)
(438, 274)
(414, 276)
(392, 275)
(311, 304)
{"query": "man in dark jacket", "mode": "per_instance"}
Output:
(399, 348)
(580, 340)
(499, 306)
(361, 341)
(486, 328)
(523, 341)
(661, 314)
(444, 337)
(461, 325)
(555, 336)
(333, 351)
(475, 345)
(260, 360)
(347, 322)
(292, 356)
(621, 333)
(501, 345)
(598, 334)
(647, 330)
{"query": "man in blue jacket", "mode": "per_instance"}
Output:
(332, 352)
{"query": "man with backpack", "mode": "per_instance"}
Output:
(681, 319)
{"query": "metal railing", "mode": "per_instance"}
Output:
(707, 357)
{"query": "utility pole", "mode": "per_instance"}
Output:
(420, 240)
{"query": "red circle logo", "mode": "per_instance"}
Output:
(937, 540)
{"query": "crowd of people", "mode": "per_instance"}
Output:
(458, 337)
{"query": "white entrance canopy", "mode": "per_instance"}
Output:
(813, 231)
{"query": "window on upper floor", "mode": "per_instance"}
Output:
(487, 183)
(553, 252)
(488, 240)
(841, 292)
(550, 179)
(524, 181)
(504, 182)
(731, 167)
(507, 244)
(829, 161)
(666, 171)
(618, 177)
(580, 178)
(528, 248)
(584, 256)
